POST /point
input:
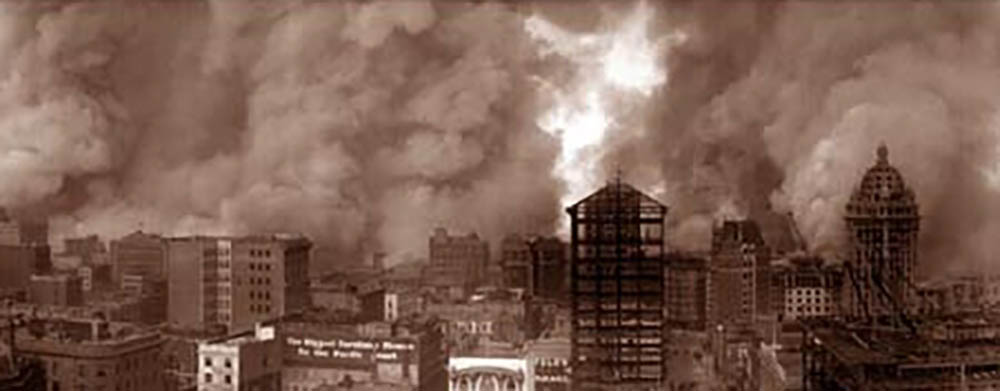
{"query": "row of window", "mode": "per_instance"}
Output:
(260, 309)
(227, 379)
(808, 309)
(809, 300)
(260, 253)
(260, 280)
(98, 370)
(260, 266)
(264, 295)
(225, 362)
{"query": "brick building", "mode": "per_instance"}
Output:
(63, 290)
(91, 354)
(138, 254)
(457, 260)
(236, 281)
(685, 278)
(249, 360)
(739, 282)
(515, 260)
(805, 287)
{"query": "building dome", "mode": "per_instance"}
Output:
(883, 192)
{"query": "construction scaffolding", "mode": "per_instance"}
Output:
(838, 356)
(617, 253)
(880, 343)
(883, 223)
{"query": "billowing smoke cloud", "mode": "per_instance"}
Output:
(781, 105)
(366, 124)
(363, 125)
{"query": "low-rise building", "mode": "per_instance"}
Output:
(245, 361)
(19, 262)
(549, 358)
(21, 374)
(803, 287)
(501, 321)
(180, 356)
(335, 296)
(92, 354)
(490, 373)
(320, 354)
(61, 290)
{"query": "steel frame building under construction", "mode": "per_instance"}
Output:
(617, 252)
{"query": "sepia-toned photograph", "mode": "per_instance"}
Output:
(499, 195)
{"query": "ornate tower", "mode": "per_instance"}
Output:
(882, 223)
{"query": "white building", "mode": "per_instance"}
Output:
(481, 373)
(246, 361)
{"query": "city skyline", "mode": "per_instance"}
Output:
(539, 195)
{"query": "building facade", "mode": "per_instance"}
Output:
(805, 287)
(515, 260)
(245, 361)
(318, 354)
(236, 282)
(549, 359)
(739, 282)
(61, 290)
(19, 262)
(380, 306)
(24, 232)
(457, 260)
(882, 222)
(23, 375)
(488, 373)
(90, 354)
(685, 278)
(138, 254)
(617, 249)
(538, 265)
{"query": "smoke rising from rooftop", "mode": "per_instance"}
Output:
(365, 125)
(781, 105)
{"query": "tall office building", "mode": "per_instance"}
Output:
(685, 278)
(739, 283)
(457, 260)
(536, 264)
(138, 254)
(617, 248)
(236, 281)
(883, 223)
(515, 259)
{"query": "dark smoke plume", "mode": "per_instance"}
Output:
(365, 124)
(780, 106)
(362, 124)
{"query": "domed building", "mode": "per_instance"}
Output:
(882, 222)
